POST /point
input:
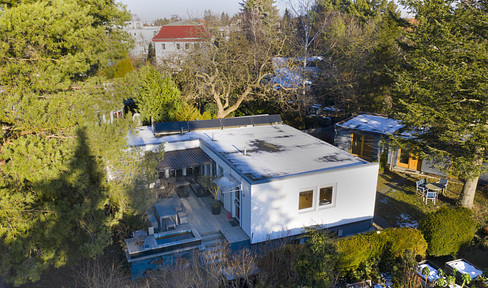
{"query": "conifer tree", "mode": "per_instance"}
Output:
(442, 93)
(55, 149)
(259, 20)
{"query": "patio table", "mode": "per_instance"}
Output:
(434, 187)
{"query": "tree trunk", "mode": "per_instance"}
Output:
(466, 198)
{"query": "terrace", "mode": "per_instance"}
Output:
(183, 222)
(200, 216)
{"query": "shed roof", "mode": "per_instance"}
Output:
(371, 123)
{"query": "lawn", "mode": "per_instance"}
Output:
(398, 203)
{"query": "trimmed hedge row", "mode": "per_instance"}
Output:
(359, 249)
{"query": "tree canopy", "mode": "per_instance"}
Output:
(228, 72)
(157, 97)
(441, 92)
(57, 205)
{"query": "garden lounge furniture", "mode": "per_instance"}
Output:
(421, 186)
(430, 195)
(436, 187)
(443, 182)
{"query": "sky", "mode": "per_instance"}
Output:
(149, 10)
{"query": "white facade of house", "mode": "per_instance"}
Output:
(266, 173)
(142, 35)
(279, 216)
(173, 49)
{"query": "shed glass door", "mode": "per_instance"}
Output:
(407, 159)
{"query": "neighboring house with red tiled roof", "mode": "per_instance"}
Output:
(174, 39)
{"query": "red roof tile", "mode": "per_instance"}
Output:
(182, 33)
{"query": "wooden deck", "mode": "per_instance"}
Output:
(200, 216)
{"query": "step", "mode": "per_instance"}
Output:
(213, 243)
(212, 236)
(210, 257)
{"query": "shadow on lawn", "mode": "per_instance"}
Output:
(396, 182)
(397, 213)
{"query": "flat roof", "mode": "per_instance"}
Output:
(262, 152)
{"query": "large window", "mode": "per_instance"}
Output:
(305, 199)
(163, 46)
(187, 45)
(362, 146)
(325, 195)
(177, 45)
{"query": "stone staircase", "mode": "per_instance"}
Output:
(214, 252)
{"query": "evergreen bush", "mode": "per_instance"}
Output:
(447, 230)
(360, 249)
(123, 67)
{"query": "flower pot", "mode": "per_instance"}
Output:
(216, 208)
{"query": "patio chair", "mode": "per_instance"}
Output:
(430, 195)
(421, 186)
(443, 182)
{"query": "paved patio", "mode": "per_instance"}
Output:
(198, 211)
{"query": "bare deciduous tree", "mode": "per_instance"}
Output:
(229, 71)
(101, 273)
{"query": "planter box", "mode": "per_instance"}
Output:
(463, 267)
(433, 275)
(216, 209)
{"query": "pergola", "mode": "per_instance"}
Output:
(183, 159)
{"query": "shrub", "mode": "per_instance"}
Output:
(360, 249)
(447, 230)
(317, 265)
(123, 67)
(277, 266)
(384, 167)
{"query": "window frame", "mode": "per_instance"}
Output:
(308, 209)
(333, 198)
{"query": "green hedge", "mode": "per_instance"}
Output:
(447, 230)
(359, 249)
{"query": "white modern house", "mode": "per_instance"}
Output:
(274, 180)
(175, 39)
(142, 35)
